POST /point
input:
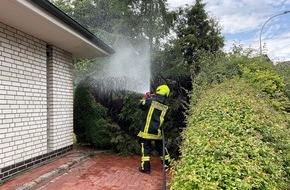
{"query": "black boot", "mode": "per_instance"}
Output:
(146, 168)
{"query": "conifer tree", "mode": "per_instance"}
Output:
(197, 32)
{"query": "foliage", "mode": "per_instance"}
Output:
(177, 63)
(122, 18)
(259, 72)
(94, 13)
(197, 33)
(84, 68)
(237, 133)
(284, 70)
(216, 68)
(99, 132)
(90, 122)
(75, 141)
(168, 62)
(171, 65)
(234, 140)
(63, 5)
(126, 142)
(155, 17)
(269, 82)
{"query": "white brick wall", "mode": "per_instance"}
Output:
(60, 91)
(23, 96)
(36, 97)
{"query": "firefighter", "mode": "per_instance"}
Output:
(155, 109)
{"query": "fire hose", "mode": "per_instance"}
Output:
(163, 161)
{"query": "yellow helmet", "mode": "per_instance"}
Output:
(163, 90)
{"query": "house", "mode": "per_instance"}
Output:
(38, 44)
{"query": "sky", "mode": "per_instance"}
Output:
(251, 22)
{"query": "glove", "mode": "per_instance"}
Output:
(147, 95)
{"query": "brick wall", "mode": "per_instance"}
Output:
(23, 98)
(32, 85)
(60, 96)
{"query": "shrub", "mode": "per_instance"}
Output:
(126, 141)
(234, 140)
(259, 72)
(99, 132)
(268, 81)
(284, 70)
(90, 122)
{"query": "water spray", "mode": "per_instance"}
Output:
(133, 66)
(132, 63)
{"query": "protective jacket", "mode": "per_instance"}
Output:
(155, 110)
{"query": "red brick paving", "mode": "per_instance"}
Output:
(110, 172)
(102, 172)
(36, 172)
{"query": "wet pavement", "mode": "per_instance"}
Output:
(102, 171)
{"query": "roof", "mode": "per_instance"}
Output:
(45, 21)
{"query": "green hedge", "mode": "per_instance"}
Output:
(234, 140)
(284, 70)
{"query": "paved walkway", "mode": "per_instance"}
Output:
(103, 171)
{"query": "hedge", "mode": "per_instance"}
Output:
(234, 139)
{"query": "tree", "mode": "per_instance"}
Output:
(197, 32)
(156, 19)
(63, 5)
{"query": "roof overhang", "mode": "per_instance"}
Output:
(46, 22)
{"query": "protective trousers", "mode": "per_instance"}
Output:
(146, 148)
